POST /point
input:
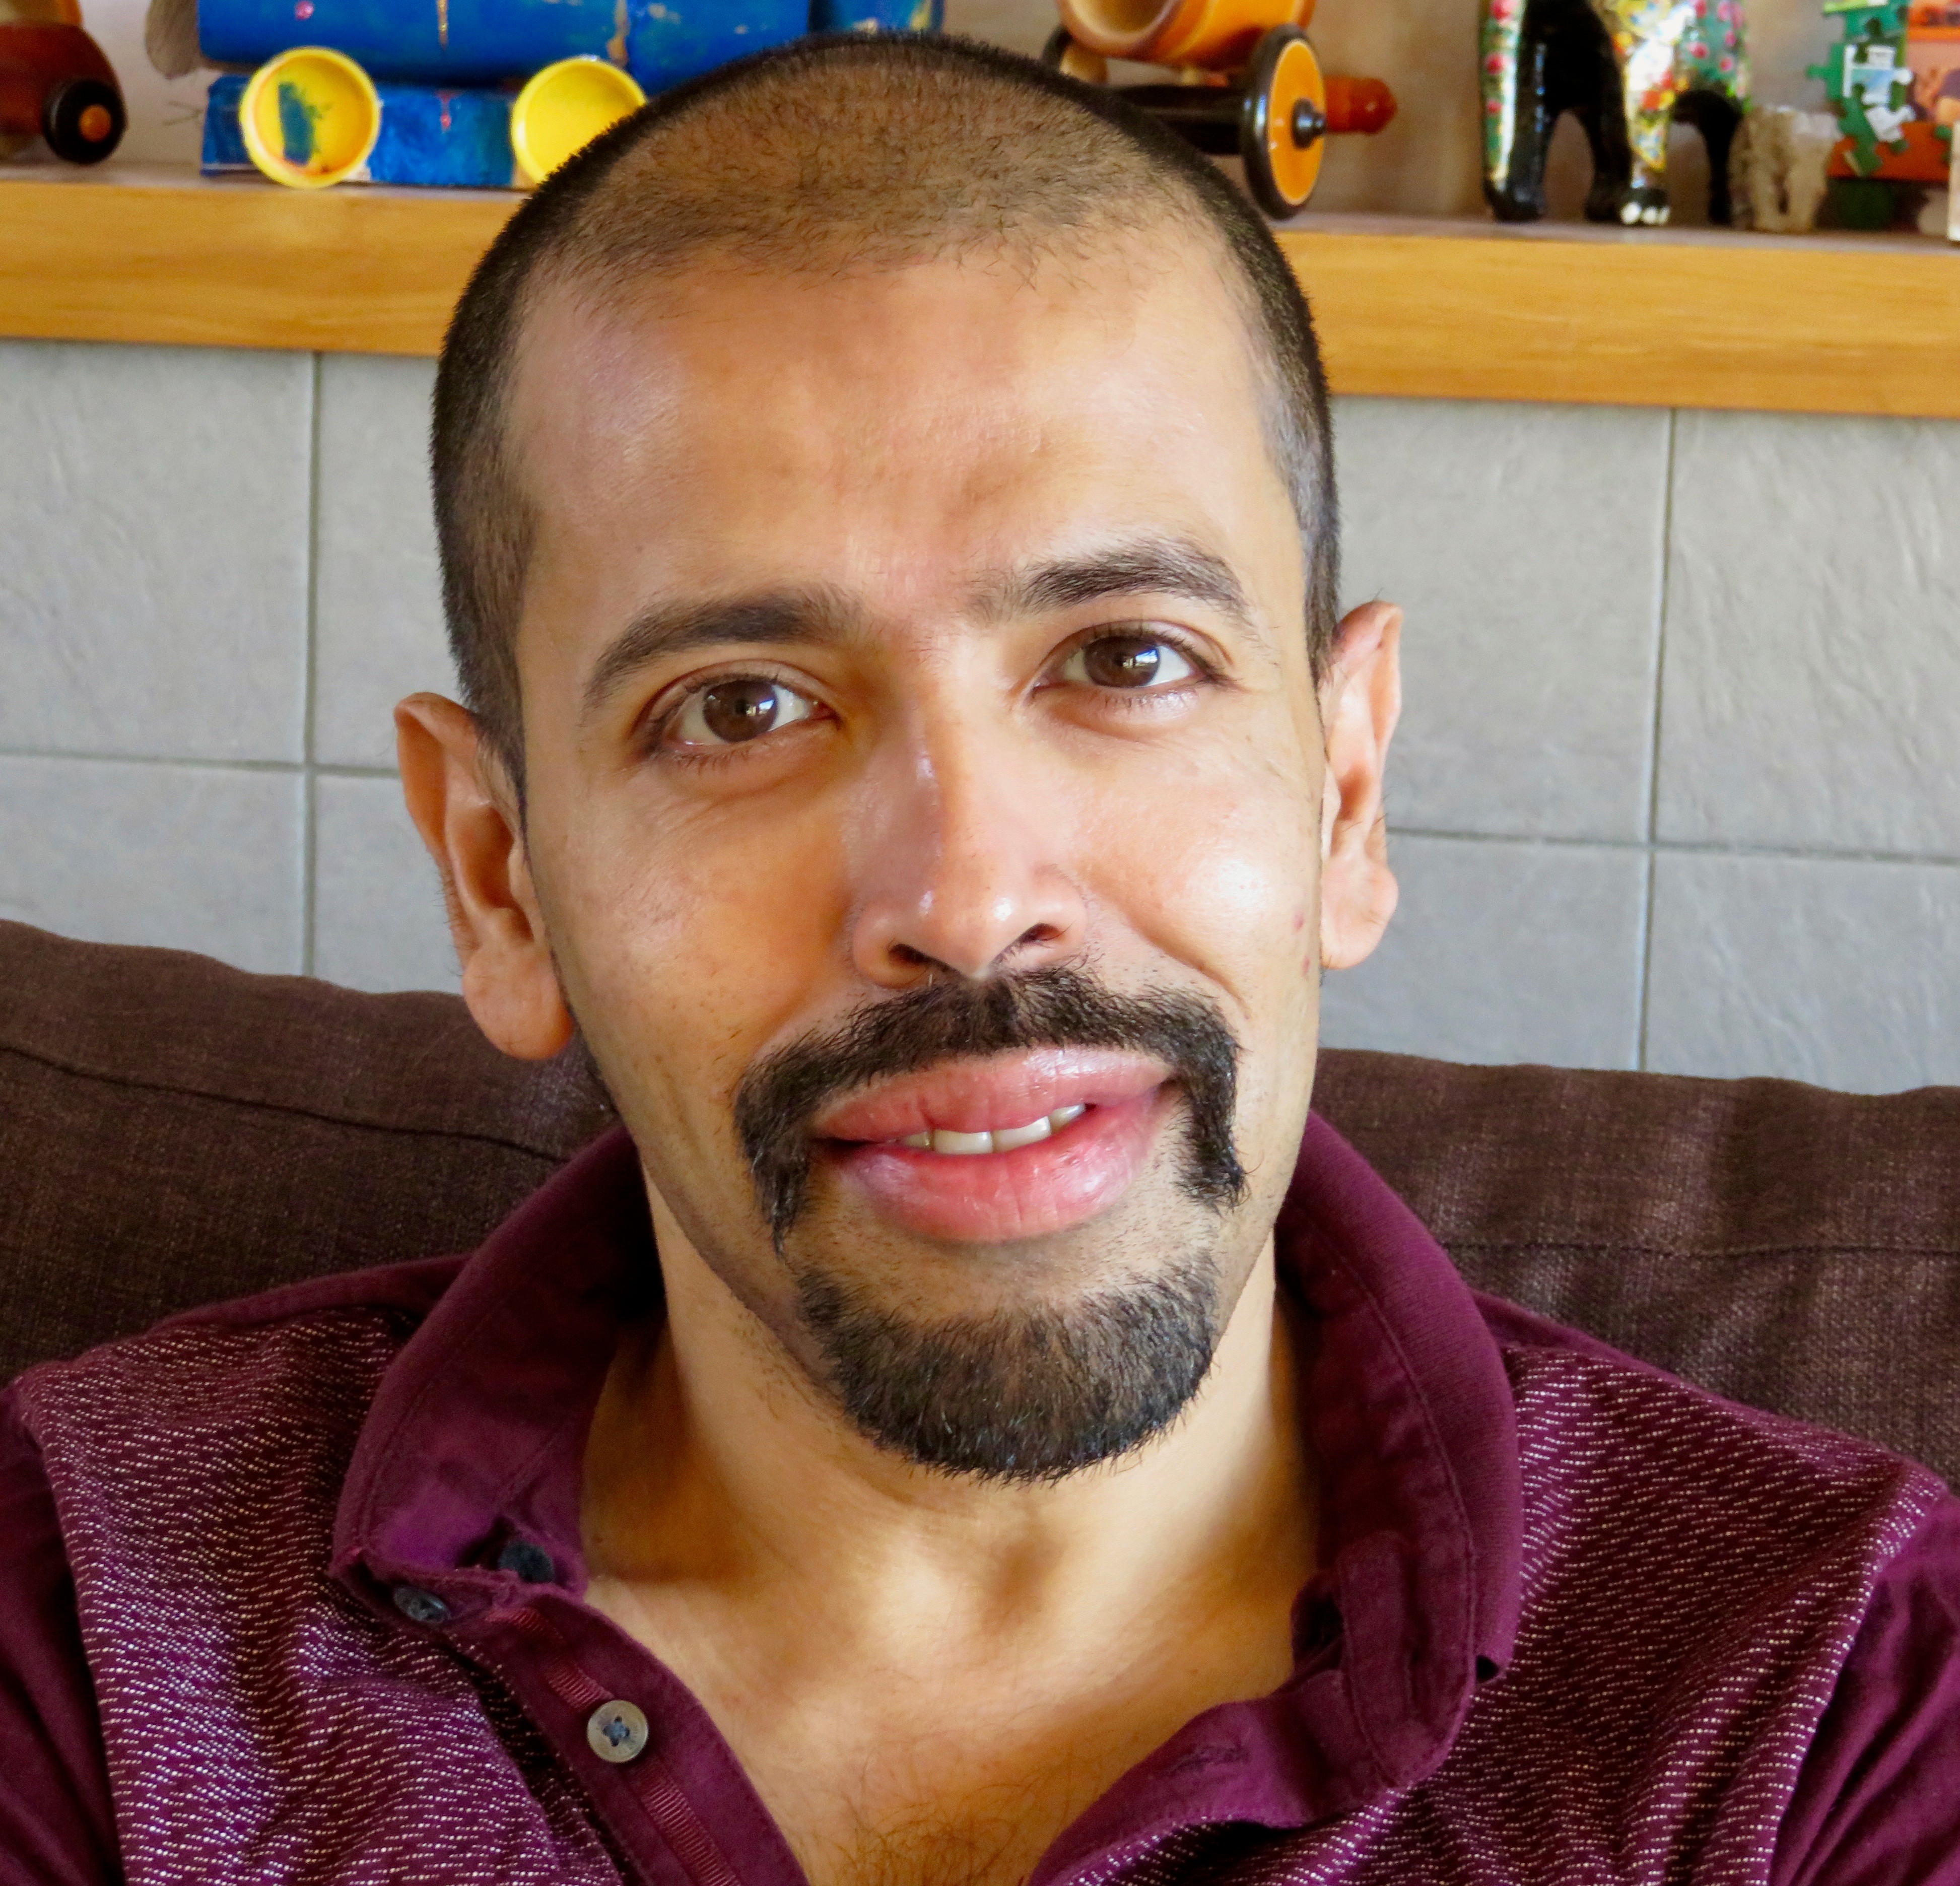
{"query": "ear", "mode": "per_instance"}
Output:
(1360, 701)
(460, 798)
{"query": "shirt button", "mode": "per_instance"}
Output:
(531, 1563)
(617, 1730)
(423, 1608)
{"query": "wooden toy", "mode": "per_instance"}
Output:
(475, 94)
(1248, 85)
(55, 84)
(1627, 69)
(1893, 82)
(553, 118)
(1953, 195)
(309, 117)
(1777, 168)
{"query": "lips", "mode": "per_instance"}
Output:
(998, 1094)
(1012, 1146)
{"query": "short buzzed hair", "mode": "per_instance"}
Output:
(836, 154)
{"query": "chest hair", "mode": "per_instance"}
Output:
(995, 1841)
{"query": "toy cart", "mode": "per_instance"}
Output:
(55, 84)
(1248, 84)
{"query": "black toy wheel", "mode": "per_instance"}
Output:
(1063, 54)
(1283, 122)
(83, 120)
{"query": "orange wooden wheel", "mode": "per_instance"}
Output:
(1282, 132)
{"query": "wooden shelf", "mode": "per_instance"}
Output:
(1828, 323)
(1456, 310)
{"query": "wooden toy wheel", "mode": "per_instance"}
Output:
(1283, 122)
(83, 120)
(1069, 57)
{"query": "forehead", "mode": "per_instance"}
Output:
(884, 432)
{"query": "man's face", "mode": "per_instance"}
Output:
(920, 746)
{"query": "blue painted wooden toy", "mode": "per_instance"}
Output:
(475, 93)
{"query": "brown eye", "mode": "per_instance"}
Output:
(1127, 662)
(732, 712)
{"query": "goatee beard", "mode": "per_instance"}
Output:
(1023, 1394)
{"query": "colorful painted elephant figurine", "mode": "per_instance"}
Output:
(1628, 69)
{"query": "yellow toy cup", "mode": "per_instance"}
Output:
(309, 117)
(563, 108)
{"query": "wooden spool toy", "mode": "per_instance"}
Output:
(1248, 85)
(55, 84)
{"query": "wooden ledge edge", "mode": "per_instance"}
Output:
(1413, 309)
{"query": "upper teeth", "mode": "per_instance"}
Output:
(940, 1141)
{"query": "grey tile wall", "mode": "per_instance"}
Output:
(153, 590)
(378, 626)
(378, 921)
(1725, 649)
(1678, 785)
(1839, 970)
(188, 856)
(1526, 543)
(217, 575)
(1504, 950)
(1812, 687)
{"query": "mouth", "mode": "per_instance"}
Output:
(1012, 1146)
(996, 1139)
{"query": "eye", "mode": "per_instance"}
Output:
(1133, 661)
(732, 712)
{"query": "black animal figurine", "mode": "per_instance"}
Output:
(1628, 69)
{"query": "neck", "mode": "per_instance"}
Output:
(714, 1468)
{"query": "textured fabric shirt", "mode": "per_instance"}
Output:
(291, 1590)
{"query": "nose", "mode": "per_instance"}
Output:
(963, 868)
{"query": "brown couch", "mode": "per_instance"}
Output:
(172, 1131)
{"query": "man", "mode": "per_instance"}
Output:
(970, 1426)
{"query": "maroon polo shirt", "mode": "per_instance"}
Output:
(1494, 1646)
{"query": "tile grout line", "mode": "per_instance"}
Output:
(1685, 847)
(326, 769)
(1653, 748)
(309, 771)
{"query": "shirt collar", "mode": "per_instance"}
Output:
(477, 1434)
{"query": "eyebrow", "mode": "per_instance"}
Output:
(786, 616)
(1167, 566)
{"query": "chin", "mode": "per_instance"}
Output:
(1018, 1390)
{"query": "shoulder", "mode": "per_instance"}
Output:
(1741, 1551)
(402, 1294)
(1726, 1607)
(410, 1290)
(312, 1351)
(1712, 1476)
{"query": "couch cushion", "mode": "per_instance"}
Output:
(1794, 1247)
(172, 1131)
